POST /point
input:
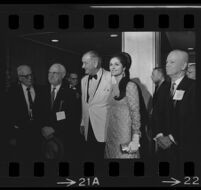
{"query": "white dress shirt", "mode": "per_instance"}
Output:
(177, 82)
(56, 89)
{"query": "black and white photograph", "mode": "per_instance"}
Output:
(120, 96)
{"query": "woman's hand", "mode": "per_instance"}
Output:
(133, 147)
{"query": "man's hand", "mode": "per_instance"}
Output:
(164, 142)
(82, 130)
(47, 131)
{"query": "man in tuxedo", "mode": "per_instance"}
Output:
(58, 114)
(23, 129)
(96, 87)
(175, 131)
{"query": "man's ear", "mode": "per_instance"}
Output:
(63, 75)
(185, 66)
(95, 62)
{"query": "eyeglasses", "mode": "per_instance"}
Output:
(53, 73)
(25, 76)
(74, 78)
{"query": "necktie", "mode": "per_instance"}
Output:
(172, 89)
(93, 76)
(52, 96)
(30, 98)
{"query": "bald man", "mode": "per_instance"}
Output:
(58, 114)
(175, 132)
(24, 131)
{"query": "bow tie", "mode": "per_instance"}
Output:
(93, 76)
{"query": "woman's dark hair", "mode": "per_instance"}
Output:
(125, 60)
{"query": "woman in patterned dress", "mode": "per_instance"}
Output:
(123, 127)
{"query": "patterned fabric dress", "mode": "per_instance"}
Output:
(123, 123)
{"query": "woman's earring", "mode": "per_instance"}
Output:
(123, 74)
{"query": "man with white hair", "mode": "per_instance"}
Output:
(175, 134)
(96, 88)
(57, 112)
(23, 130)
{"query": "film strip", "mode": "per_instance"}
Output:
(157, 30)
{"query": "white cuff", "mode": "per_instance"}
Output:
(158, 135)
(171, 138)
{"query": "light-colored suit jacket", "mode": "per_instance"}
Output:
(97, 107)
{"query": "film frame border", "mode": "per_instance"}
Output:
(164, 21)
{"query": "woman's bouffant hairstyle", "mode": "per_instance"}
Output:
(125, 60)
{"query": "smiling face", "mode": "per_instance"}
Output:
(176, 63)
(89, 64)
(116, 67)
(55, 75)
(25, 75)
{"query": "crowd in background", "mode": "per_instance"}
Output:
(102, 115)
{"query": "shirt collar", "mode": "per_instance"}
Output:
(99, 73)
(177, 82)
(56, 87)
(25, 87)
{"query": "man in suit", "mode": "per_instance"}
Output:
(96, 87)
(158, 78)
(191, 71)
(58, 115)
(175, 132)
(74, 87)
(23, 129)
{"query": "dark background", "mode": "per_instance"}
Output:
(37, 50)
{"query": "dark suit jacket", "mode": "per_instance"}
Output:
(76, 93)
(28, 132)
(178, 117)
(65, 129)
(157, 119)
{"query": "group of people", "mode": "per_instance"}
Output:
(107, 117)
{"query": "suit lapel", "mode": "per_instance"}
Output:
(58, 102)
(182, 86)
(100, 87)
(22, 97)
(85, 87)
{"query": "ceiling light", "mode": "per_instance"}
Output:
(190, 48)
(113, 35)
(54, 40)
